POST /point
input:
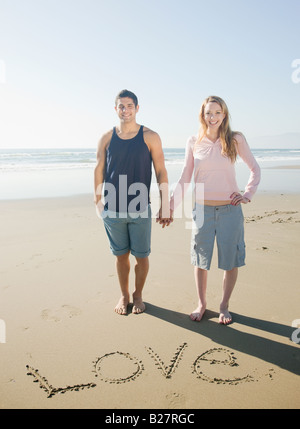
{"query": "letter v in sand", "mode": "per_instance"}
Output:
(167, 371)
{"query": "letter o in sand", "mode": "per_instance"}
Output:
(123, 366)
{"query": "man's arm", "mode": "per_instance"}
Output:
(154, 144)
(99, 172)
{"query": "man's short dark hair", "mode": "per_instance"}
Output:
(129, 94)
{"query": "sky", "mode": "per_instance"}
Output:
(62, 62)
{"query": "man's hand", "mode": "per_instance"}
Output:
(164, 221)
(99, 208)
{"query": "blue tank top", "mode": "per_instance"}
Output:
(128, 174)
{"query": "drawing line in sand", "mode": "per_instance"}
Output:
(49, 389)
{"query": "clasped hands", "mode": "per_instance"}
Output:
(164, 221)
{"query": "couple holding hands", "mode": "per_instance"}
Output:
(123, 171)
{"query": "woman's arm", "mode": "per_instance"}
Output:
(186, 175)
(245, 153)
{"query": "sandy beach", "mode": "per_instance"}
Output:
(66, 348)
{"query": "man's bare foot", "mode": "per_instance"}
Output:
(138, 305)
(225, 317)
(197, 314)
(121, 307)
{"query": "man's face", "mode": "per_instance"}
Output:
(126, 110)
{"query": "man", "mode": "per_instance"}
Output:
(123, 177)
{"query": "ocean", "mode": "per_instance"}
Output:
(35, 173)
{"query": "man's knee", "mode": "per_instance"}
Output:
(142, 261)
(123, 258)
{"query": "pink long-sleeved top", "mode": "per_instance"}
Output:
(214, 170)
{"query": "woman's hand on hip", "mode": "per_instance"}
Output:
(237, 199)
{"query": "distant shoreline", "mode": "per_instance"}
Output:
(286, 167)
(50, 173)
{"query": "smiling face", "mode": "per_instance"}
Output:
(126, 109)
(213, 116)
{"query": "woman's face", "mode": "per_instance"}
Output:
(213, 116)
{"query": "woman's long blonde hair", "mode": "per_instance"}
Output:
(228, 141)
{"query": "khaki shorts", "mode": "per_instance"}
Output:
(226, 225)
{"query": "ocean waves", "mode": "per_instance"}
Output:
(26, 160)
(46, 160)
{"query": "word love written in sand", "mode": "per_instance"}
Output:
(119, 367)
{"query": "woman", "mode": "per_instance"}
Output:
(211, 157)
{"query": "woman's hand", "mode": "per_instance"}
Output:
(164, 221)
(237, 199)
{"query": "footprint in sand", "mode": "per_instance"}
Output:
(176, 400)
(56, 315)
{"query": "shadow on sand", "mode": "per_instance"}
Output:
(284, 356)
